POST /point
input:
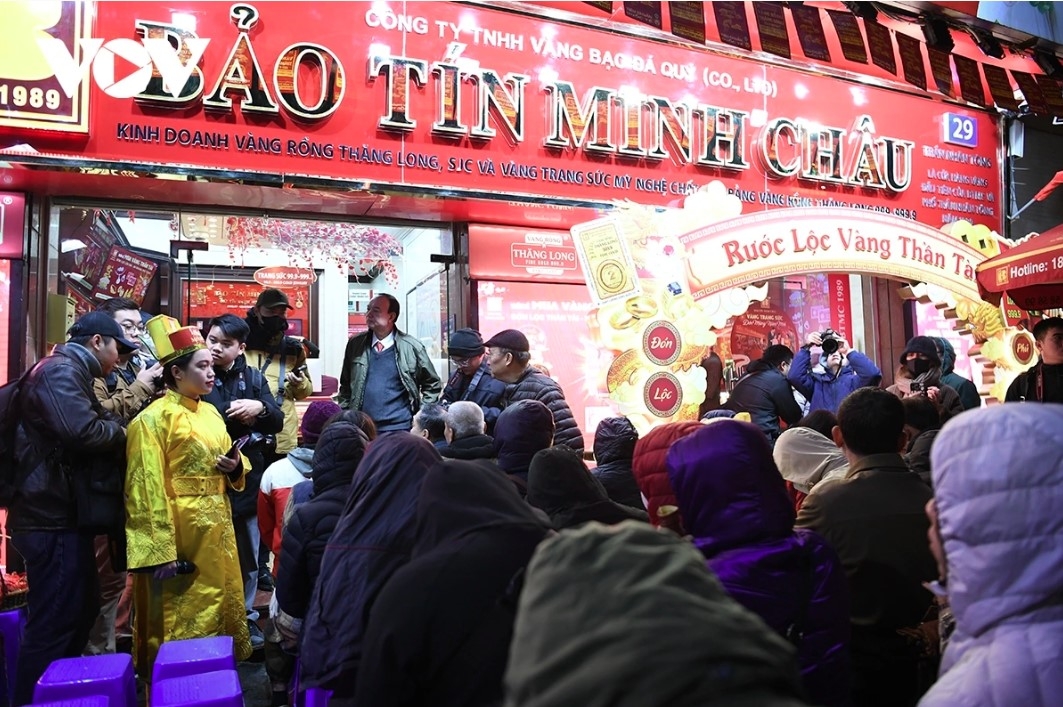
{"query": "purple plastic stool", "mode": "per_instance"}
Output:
(90, 701)
(12, 625)
(70, 678)
(192, 656)
(220, 688)
(317, 697)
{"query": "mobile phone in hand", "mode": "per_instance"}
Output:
(238, 444)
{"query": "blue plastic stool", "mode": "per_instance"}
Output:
(220, 688)
(192, 656)
(12, 625)
(71, 678)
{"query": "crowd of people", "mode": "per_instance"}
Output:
(816, 539)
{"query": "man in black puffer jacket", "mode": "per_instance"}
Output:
(614, 446)
(68, 450)
(765, 394)
(337, 454)
(509, 359)
(465, 433)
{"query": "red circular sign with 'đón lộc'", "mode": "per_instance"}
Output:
(662, 394)
(661, 343)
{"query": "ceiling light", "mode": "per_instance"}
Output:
(937, 35)
(865, 10)
(989, 44)
(1049, 63)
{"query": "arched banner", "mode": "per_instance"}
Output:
(770, 244)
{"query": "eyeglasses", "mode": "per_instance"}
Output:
(132, 327)
(459, 362)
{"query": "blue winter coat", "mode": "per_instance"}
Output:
(825, 390)
(734, 503)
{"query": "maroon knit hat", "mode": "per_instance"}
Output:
(317, 414)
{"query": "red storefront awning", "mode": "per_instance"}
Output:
(1031, 273)
(931, 40)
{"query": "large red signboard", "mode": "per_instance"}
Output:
(447, 96)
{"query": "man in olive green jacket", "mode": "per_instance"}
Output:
(387, 374)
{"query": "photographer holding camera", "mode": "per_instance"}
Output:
(920, 374)
(839, 371)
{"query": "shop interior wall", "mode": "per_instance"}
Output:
(422, 307)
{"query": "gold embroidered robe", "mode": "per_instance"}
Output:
(176, 509)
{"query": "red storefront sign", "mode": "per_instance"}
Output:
(839, 304)
(12, 224)
(502, 253)
(285, 276)
(463, 99)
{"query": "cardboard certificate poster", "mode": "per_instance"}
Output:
(90, 260)
(607, 265)
(758, 328)
(124, 274)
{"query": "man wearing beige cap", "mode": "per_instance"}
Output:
(510, 362)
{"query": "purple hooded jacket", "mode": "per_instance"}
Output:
(735, 507)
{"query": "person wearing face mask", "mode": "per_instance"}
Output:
(281, 359)
(836, 375)
(920, 374)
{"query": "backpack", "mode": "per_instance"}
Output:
(10, 416)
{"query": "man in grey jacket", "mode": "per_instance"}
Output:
(63, 437)
(387, 374)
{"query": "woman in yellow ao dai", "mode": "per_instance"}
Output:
(176, 509)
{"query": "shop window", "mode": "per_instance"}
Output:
(194, 266)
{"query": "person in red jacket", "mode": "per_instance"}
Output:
(282, 475)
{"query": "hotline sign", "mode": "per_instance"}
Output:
(661, 343)
(662, 394)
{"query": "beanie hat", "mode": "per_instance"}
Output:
(922, 345)
(317, 414)
(521, 430)
(465, 343)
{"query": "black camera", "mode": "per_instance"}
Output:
(829, 341)
(918, 387)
